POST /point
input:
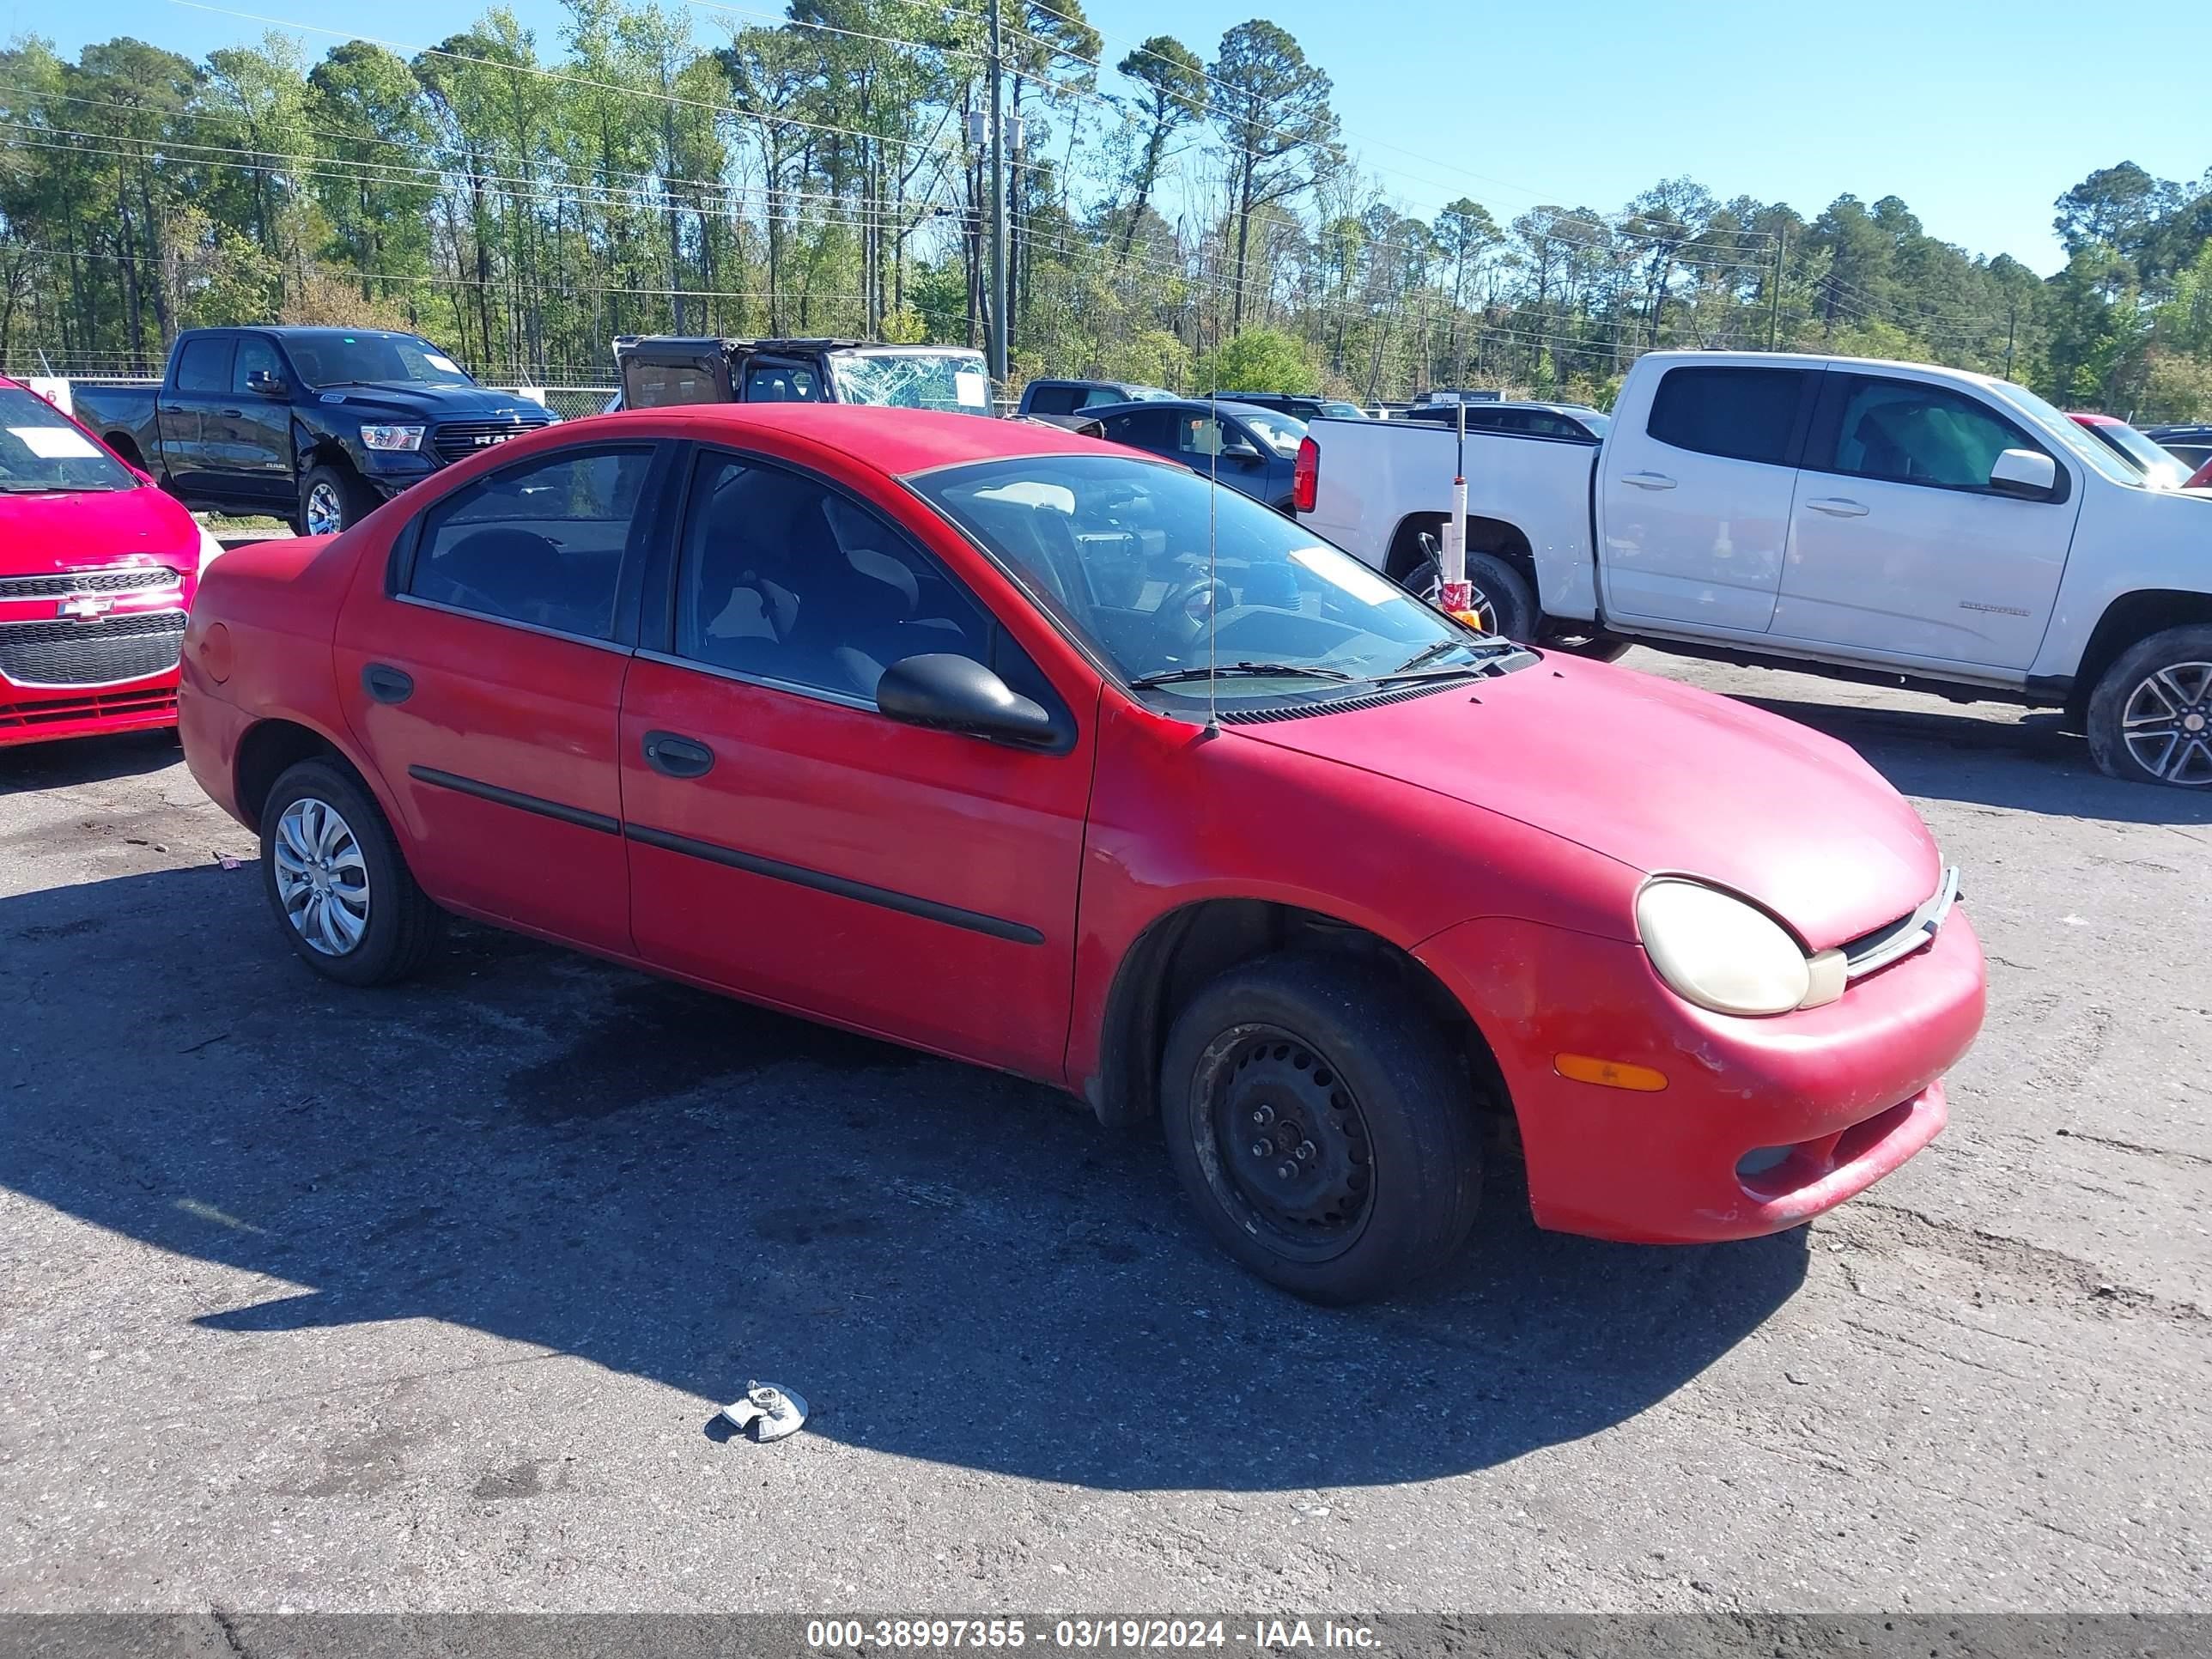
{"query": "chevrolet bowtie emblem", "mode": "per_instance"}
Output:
(84, 607)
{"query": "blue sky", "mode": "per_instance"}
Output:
(1976, 114)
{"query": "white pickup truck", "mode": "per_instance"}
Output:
(1911, 525)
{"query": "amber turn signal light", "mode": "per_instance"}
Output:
(1609, 1073)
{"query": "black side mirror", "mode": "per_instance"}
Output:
(262, 382)
(958, 694)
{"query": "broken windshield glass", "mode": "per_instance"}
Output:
(901, 378)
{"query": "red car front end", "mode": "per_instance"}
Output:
(97, 571)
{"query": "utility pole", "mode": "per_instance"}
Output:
(1774, 298)
(2012, 330)
(998, 362)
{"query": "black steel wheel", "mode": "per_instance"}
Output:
(1318, 1121)
(1290, 1150)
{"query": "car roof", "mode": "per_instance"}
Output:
(2091, 418)
(893, 441)
(1228, 404)
(1512, 403)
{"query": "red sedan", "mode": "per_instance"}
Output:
(1004, 744)
(97, 569)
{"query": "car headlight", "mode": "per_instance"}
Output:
(1721, 953)
(211, 548)
(392, 437)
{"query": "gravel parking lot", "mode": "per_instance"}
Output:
(425, 1300)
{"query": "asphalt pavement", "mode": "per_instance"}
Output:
(425, 1300)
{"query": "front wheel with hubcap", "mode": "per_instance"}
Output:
(2150, 717)
(1321, 1127)
(1503, 602)
(337, 880)
(332, 499)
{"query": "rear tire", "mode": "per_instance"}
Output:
(2150, 716)
(1502, 593)
(332, 498)
(1321, 1127)
(338, 881)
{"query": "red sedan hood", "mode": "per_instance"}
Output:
(41, 535)
(1660, 776)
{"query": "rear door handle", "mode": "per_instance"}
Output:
(233, 414)
(1839, 507)
(1648, 480)
(385, 683)
(677, 758)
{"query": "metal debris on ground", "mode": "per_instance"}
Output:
(767, 1413)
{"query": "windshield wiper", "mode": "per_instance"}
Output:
(1484, 652)
(1263, 671)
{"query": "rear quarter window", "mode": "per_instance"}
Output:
(1744, 414)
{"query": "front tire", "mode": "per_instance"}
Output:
(335, 877)
(1503, 598)
(1321, 1127)
(2150, 717)
(332, 498)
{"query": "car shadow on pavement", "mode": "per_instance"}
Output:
(949, 1264)
(85, 760)
(2029, 765)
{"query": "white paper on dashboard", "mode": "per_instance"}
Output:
(55, 443)
(970, 388)
(1354, 578)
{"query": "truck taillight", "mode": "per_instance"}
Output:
(1305, 475)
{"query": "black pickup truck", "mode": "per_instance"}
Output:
(315, 425)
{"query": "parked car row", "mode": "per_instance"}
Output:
(1922, 525)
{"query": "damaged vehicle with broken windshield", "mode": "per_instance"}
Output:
(658, 371)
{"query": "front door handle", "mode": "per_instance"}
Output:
(1839, 507)
(385, 683)
(677, 758)
(233, 414)
(1648, 480)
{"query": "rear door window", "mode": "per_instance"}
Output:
(1744, 414)
(1052, 400)
(540, 544)
(1142, 428)
(203, 365)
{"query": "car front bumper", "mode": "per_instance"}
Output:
(1762, 1123)
(43, 713)
(65, 675)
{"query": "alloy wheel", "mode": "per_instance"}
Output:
(321, 876)
(325, 513)
(2167, 724)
